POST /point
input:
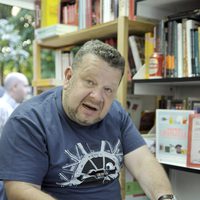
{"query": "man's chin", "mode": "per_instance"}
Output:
(88, 122)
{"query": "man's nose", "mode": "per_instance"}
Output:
(97, 94)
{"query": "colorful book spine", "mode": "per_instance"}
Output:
(50, 12)
(149, 49)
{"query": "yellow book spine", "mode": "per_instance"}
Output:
(50, 12)
(149, 48)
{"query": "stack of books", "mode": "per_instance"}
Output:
(54, 30)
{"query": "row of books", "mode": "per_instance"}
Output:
(82, 13)
(54, 31)
(178, 137)
(189, 103)
(178, 39)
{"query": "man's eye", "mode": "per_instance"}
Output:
(89, 82)
(108, 90)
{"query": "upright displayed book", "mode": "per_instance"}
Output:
(137, 48)
(193, 154)
(172, 136)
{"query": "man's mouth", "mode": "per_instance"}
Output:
(90, 107)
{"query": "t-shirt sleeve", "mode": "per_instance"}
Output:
(23, 151)
(131, 137)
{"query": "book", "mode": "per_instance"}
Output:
(190, 24)
(172, 136)
(54, 30)
(179, 50)
(132, 10)
(194, 52)
(137, 48)
(123, 8)
(193, 153)
(199, 49)
(37, 6)
(96, 12)
(149, 49)
(50, 12)
(176, 104)
(170, 59)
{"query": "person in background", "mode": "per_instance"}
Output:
(70, 142)
(15, 86)
(1, 91)
(15, 91)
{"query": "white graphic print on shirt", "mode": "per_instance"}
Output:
(92, 166)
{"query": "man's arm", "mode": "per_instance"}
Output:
(149, 173)
(16, 190)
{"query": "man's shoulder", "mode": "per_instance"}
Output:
(116, 107)
(43, 97)
(116, 111)
(37, 104)
(4, 106)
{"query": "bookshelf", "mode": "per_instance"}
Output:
(184, 179)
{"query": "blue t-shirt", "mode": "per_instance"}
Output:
(41, 145)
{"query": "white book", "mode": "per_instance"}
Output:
(123, 8)
(58, 65)
(135, 52)
(180, 50)
(107, 12)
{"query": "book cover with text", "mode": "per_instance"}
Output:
(172, 136)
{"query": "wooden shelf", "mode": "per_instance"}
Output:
(99, 31)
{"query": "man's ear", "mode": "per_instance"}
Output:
(68, 73)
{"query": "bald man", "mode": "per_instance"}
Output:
(16, 90)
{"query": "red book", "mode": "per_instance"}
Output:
(88, 13)
(132, 10)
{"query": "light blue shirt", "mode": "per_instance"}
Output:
(7, 106)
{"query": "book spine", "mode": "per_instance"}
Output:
(196, 52)
(135, 52)
(180, 50)
(199, 50)
(37, 13)
(170, 56)
(149, 48)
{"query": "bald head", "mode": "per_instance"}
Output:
(15, 85)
